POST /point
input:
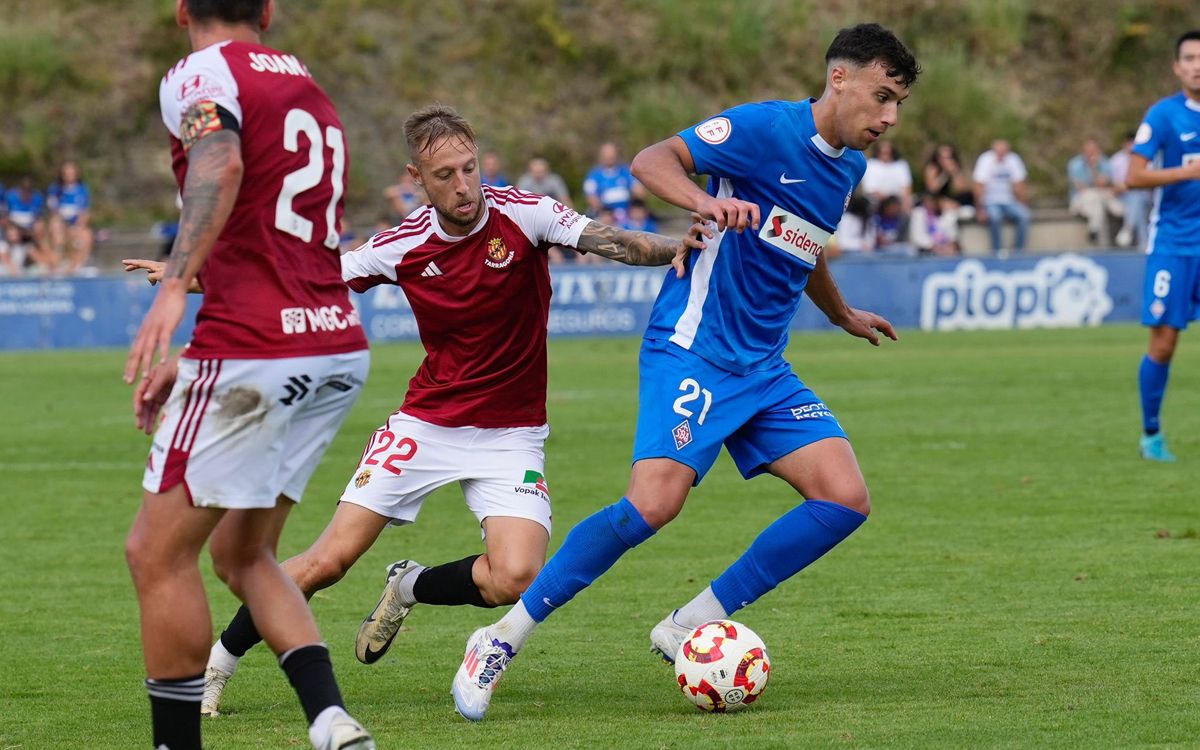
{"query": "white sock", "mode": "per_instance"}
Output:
(220, 658)
(515, 627)
(405, 587)
(700, 610)
(318, 733)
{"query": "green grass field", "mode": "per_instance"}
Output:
(1024, 581)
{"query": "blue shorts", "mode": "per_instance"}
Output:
(689, 407)
(1171, 290)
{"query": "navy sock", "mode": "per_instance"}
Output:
(175, 712)
(589, 549)
(795, 540)
(1152, 384)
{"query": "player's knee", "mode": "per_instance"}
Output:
(856, 498)
(138, 557)
(318, 569)
(510, 582)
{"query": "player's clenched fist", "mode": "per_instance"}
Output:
(730, 213)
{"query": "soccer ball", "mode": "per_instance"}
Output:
(722, 666)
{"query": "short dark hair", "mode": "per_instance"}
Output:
(432, 123)
(229, 11)
(869, 42)
(1187, 36)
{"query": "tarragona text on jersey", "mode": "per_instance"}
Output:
(272, 283)
(481, 303)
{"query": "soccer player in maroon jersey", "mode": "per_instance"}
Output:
(276, 361)
(473, 265)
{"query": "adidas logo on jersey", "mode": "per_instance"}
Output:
(431, 270)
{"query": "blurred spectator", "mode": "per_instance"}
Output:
(945, 177)
(540, 180)
(403, 198)
(933, 228)
(1136, 222)
(610, 184)
(70, 218)
(12, 252)
(347, 238)
(1000, 194)
(1089, 180)
(639, 218)
(25, 207)
(855, 234)
(888, 175)
(490, 171)
(890, 226)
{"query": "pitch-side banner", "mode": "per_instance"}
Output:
(933, 294)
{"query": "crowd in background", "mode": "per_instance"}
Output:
(884, 217)
(46, 232)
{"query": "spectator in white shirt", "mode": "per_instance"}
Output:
(1000, 194)
(888, 175)
(1136, 219)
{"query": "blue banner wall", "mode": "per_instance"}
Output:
(933, 294)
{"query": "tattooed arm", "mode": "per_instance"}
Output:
(636, 248)
(209, 192)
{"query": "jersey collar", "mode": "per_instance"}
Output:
(483, 220)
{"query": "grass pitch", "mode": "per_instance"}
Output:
(1024, 581)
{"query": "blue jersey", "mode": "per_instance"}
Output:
(612, 185)
(1169, 136)
(69, 201)
(737, 302)
(24, 211)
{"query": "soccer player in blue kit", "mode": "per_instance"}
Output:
(1169, 136)
(711, 367)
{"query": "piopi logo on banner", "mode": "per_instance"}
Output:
(1061, 292)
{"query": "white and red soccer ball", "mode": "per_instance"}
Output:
(722, 666)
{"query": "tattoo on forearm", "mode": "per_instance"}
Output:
(206, 204)
(627, 246)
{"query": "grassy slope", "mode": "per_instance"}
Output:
(1009, 591)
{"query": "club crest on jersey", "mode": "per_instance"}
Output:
(363, 477)
(714, 131)
(498, 254)
(682, 434)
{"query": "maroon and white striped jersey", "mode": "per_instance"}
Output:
(271, 283)
(481, 303)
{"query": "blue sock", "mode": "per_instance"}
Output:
(589, 549)
(1152, 384)
(795, 540)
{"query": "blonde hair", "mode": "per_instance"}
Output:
(430, 124)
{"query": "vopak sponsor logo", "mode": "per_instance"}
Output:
(538, 482)
(794, 235)
(312, 319)
(1060, 292)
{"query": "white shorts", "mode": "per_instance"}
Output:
(241, 432)
(501, 470)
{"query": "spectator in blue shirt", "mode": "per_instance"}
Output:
(610, 184)
(70, 218)
(25, 207)
(639, 218)
(1091, 190)
(490, 171)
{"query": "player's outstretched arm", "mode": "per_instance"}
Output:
(642, 248)
(154, 272)
(824, 293)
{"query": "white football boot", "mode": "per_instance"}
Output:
(214, 685)
(381, 626)
(666, 638)
(346, 734)
(483, 665)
